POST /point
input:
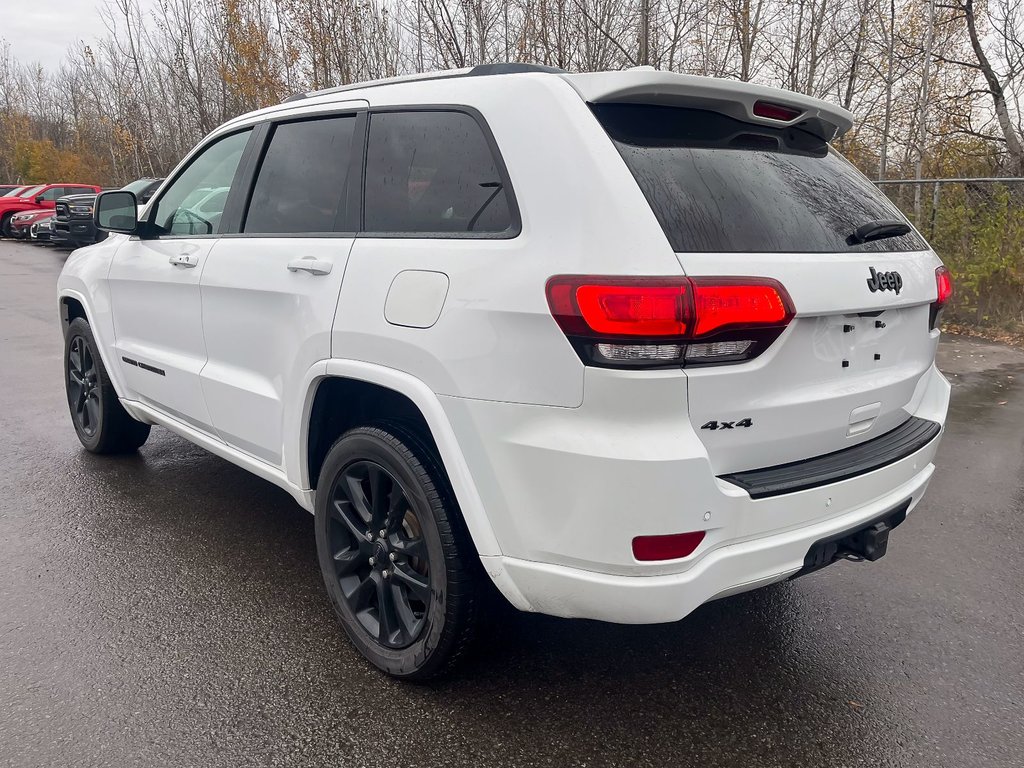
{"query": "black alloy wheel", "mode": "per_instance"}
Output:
(398, 564)
(101, 422)
(83, 387)
(379, 556)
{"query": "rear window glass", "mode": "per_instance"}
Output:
(432, 173)
(717, 184)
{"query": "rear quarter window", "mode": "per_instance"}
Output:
(717, 184)
(433, 173)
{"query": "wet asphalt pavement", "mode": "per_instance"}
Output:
(167, 610)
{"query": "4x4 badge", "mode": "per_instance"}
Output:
(885, 281)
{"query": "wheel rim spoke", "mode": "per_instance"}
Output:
(361, 595)
(87, 364)
(76, 392)
(410, 548)
(75, 356)
(357, 496)
(375, 501)
(415, 584)
(347, 560)
(396, 507)
(342, 511)
(92, 410)
(389, 629)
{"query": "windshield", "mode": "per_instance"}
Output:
(717, 184)
(31, 191)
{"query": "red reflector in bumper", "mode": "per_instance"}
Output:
(670, 547)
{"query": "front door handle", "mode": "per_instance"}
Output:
(312, 265)
(186, 260)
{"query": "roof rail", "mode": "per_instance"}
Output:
(481, 70)
(512, 68)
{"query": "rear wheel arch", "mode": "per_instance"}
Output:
(340, 404)
(353, 394)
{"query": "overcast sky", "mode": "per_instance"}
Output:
(42, 30)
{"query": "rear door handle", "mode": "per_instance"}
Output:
(187, 260)
(312, 265)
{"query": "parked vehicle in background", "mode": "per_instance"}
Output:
(8, 188)
(22, 222)
(620, 342)
(42, 230)
(73, 221)
(39, 196)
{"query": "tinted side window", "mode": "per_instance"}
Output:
(432, 172)
(179, 211)
(53, 193)
(301, 185)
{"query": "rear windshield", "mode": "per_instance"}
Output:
(717, 184)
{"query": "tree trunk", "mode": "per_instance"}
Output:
(1013, 141)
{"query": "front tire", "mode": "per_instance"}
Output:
(5, 225)
(399, 568)
(101, 422)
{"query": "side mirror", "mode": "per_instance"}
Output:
(39, 200)
(117, 212)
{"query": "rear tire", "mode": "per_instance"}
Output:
(101, 422)
(409, 599)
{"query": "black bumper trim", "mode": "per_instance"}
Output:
(910, 437)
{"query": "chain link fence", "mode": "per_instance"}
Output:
(977, 228)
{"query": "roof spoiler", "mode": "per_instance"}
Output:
(730, 97)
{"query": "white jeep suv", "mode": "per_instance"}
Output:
(620, 343)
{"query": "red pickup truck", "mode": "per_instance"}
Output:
(38, 196)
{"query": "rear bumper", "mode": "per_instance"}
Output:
(728, 570)
(566, 490)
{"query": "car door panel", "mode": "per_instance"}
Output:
(154, 283)
(158, 324)
(265, 325)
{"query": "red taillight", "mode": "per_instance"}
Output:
(669, 547)
(776, 111)
(639, 307)
(723, 304)
(664, 321)
(944, 284)
(943, 293)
